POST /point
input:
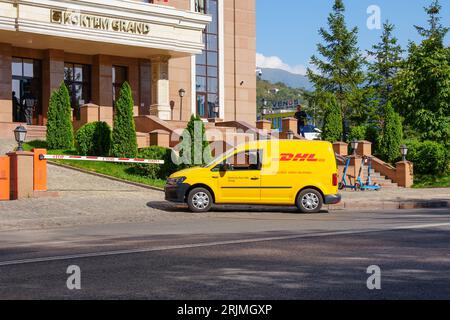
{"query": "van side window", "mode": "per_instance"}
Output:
(246, 160)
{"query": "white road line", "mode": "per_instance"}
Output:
(211, 244)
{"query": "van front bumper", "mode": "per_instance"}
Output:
(332, 199)
(177, 192)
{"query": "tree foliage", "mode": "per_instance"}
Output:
(422, 87)
(387, 54)
(340, 70)
(124, 141)
(392, 134)
(332, 124)
(195, 149)
(59, 123)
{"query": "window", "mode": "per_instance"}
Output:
(207, 83)
(249, 160)
(119, 76)
(26, 90)
(77, 78)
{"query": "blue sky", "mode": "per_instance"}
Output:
(287, 30)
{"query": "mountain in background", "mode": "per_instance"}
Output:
(292, 80)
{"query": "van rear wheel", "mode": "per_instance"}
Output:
(309, 201)
(199, 200)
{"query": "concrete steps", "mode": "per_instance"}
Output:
(36, 133)
(378, 179)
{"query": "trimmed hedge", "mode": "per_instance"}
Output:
(94, 139)
(59, 124)
(357, 133)
(392, 134)
(155, 171)
(124, 141)
(332, 124)
(429, 157)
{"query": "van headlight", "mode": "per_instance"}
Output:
(175, 181)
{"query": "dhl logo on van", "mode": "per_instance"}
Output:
(299, 157)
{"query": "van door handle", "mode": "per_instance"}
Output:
(215, 177)
(255, 178)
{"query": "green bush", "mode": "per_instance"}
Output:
(59, 123)
(357, 133)
(332, 126)
(195, 149)
(94, 139)
(155, 171)
(429, 157)
(392, 135)
(124, 141)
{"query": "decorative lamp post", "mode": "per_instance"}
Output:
(404, 151)
(354, 145)
(182, 93)
(20, 133)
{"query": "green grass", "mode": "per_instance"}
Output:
(429, 181)
(116, 170)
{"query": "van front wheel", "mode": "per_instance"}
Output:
(199, 200)
(309, 201)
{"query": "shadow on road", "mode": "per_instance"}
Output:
(171, 207)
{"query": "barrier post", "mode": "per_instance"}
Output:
(39, 171)
(21, 164)
(4, 178)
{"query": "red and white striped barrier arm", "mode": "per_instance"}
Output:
(102, 159)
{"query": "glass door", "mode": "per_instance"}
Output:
(26, 91)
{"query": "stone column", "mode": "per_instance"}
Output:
(264, 125)
(289, 124)
(21, 174)
(340, 148)
(102, 87)
(404, 173)
(145, 87)
(52, 77)
(160, 106)
(6, 112)
(364, 148)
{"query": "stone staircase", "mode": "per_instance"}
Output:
(378, 178)
(36, 133)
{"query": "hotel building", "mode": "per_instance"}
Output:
(181, 57)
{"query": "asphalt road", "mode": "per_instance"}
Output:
(234, 255)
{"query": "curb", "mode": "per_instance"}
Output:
(101, 175)
(391, 205)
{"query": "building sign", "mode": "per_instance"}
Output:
(287, 104)
(88, 21)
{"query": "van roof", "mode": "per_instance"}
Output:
(261, 143)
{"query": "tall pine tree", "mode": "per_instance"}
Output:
(422, 87)
(388, 55)
(340, 70)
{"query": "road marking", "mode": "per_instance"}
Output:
(211, 244)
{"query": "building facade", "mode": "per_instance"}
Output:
(205, 48)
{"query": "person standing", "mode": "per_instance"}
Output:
(301, 117)
(16, 107)
(28, 103)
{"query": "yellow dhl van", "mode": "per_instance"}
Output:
(265, 172)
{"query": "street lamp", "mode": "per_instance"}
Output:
(290, 135)
(354, 145)
(182, 93)
(20, 133)
(404, 151)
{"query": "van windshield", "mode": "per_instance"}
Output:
(223, 155)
